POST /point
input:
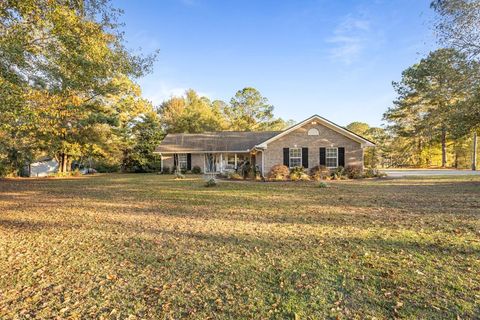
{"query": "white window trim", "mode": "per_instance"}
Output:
(290, 157)
(326, 157)
(182, 161)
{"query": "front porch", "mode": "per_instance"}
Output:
(222, 162)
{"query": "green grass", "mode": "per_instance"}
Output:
(149, 246)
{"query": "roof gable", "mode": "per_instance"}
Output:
(347, 133)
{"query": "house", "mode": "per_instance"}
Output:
(314, 141)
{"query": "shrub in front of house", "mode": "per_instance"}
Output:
(196, 170)
(353, 172)
(338, 173)
(234, 176)
(318, 173)
(298, 173)
(278, 172)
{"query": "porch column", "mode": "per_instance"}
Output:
(221, 162)
(263, 163)
(204, 163)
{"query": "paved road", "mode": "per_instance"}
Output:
(429, 172)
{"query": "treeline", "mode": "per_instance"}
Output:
(66, 83)
(436, 116)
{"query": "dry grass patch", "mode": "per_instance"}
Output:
(148, 246)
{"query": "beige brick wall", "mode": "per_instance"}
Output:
(299, 138)
(197, 160)
(167, 161)
(258, 160)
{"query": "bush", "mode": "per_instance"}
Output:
(338, 173)
(196, 170)
(319, 173)
(278, 172)
(105, 167)
(234, 176)
(166, 170)
(298, 173)
(210, 183)
(323, 185)
(353, 172)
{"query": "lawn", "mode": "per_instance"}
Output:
(148, 246)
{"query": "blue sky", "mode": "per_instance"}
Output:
(332, 58)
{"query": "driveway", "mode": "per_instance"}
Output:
(429, 172)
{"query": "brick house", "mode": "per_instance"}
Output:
(314, 141)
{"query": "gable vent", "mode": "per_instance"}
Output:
(313, 132)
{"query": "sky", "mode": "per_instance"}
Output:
(334, 58)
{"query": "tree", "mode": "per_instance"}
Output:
(430, 94)
(457, 25)
(191, 113)
(373, 156)
(65, 62)
(146, 134)
(250, 111)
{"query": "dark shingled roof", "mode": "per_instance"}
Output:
(213, 141)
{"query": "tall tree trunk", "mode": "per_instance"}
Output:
(63, 162)
(456, 159)
(419, 151)
(474, 155)
(444, 147)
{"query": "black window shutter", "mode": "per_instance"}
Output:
(189, 161)
(323, 157)
(175, 160)
(305, 158)
(341, 157)
(286, 157)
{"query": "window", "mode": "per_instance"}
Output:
(295, 157)
(313, 132)
(332, 157)
(182, 161)
(230, 161)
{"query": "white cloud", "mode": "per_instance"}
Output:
(349, 39)
(158, 91)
